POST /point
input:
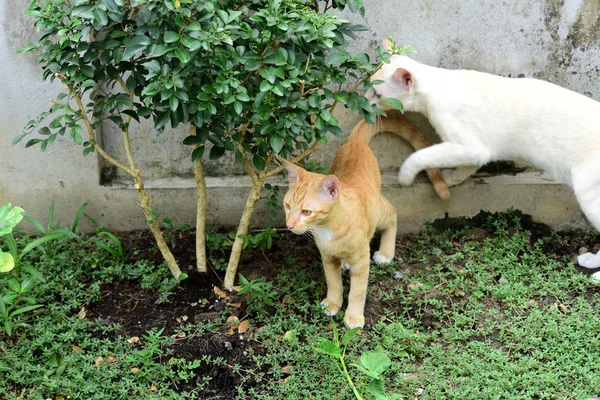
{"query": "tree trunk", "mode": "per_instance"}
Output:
(146, 205)
(236, 250)
(200, 213)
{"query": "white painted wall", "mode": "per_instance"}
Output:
(556, 40)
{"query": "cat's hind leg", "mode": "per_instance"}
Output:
(586, 185)
(388, 225)
(332, 304)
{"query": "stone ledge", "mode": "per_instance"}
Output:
(532, 192)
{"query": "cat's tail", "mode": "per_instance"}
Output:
(400, 126)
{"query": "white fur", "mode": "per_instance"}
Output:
(482, 118)
(323, 235)
(381, 259)
(326, 309)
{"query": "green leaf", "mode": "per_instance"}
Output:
(376, 388)
(171, 37)
(197, 154)
(161, 120)
(9, 218)
(394, 103)
(375, 362)
(328, 347)
(194, 26)
(265, 86)
(136, 45)
(238, 107)
(7, 262)
(25, 309)
(183, 55)
(216, 152)
(258, 162)
(276, 143)
(44, 239)
(349, 335)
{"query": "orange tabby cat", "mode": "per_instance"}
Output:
(342, 211)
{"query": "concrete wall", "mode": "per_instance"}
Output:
(556, 40)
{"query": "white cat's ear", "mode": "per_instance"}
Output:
(404, 78)
(387, 45)
(294, 172)
(330, 188)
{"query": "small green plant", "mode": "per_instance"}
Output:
(110, 243)
(171, 228)
(261, 293)
(15, 296)
(372, 365)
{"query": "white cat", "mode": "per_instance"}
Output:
(482, 117)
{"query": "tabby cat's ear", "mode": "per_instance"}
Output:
(329, 188)
(294, 172)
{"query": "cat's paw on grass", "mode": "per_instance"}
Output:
(380, 258)
(330, 308)
(354, 321)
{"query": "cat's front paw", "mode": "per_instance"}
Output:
(354, 321)
(380, 258)
(589, 260)
(405, 177)
(330, 308)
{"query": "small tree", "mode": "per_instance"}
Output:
(260, 79)
(257, 78)
(87, 46)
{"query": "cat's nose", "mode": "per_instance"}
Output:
(289, 225)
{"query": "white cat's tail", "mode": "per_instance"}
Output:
(400, 126)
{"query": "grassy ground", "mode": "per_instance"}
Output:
(491, 312)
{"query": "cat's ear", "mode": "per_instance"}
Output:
(403, 78)
(329, 188)
(294, 172)
(387, 45)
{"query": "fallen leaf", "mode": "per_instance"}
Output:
(562, 308)
(531, 303)
(76, 349)
(230, 332)
(153, 388)
(81, 314)
(111, 360)
(134, 370)
(180, 335)
(237, 288)
(219, 292)
(234, 305)
(181, 319)
(97, 362)
(287, 369)
(233, 321)
(243, 326)
(133, 339)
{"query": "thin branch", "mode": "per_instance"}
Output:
(126, 139)
(306, 153)
(92, 136)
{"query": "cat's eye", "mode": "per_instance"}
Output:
(306, 212)
(378, 95)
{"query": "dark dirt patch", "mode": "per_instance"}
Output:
(137, 310)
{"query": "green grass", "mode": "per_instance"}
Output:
(494, 317)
